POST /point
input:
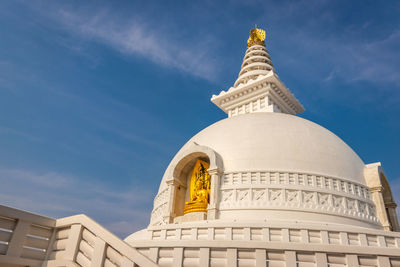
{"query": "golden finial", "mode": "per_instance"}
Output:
(257, 37)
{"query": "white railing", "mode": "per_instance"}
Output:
(28, 239)
(24, 237)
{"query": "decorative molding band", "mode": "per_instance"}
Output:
(245, 96)
(312, 255)
(299, 200)
(278, 235)
(286, 190)
(292, 180)
(296, 191)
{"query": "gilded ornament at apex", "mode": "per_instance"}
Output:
(257, 37)
(199, 189)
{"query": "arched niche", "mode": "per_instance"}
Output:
(179, 175)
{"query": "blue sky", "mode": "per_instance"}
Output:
(96, 97)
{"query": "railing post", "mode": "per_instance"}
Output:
(99, 252)
(204, 257)
(51, 243)
(383, 261)
(16, 244)
(154, 254)
(178, 257)
(261, 258)
(74, 237)
(290, 258)
(232, 257)
(321, 259)
(352, 260)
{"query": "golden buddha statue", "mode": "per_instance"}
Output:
(199, 188)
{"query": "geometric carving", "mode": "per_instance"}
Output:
(308, 188)
(297, 179)
(337, 201)
(292, 178)
(323, 199)
(250, 188)
(258, 194)
(275, 195)
(308, 197)
(343, 186)
(242, 194)
(319, 181)
(227, 195)
(292, 195)
(336, 184)
(310, 180)
(272, 178)
(372, 210)
(362, 207)
(246, 178)
(351, 205)
(235, 178)
(301, 179)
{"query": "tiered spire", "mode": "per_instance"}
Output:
(256, 62)
(257, 88)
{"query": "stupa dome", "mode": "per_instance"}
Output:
(279, 142)
(298, 170)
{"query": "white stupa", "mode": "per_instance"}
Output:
(260, 188)
(283, 191)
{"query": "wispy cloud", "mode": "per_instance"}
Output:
(137, 37)
(377, 60)
(10, 131)
(372, 61)
(58, 195)
(330, 76)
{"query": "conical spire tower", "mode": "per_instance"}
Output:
(258, 87)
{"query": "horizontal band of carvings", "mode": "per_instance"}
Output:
(293, 188)
(311, 209)
(295, 179)
(326, 194)
(253, 86)
(281, 224)
(247, 246)
(301, 200)
(266, 255)
(276, 235)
